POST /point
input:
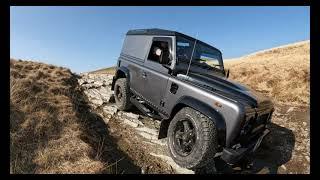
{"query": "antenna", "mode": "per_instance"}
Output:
(194, 45)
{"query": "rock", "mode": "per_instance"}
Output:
(307, 158)
(94, 96)
(107, 77)
(290, 109)
(107, 119)
(80, 81)
(148, 142)
(130, 123)
(175, 166)
(283, 167)
(89, 80)
(92, 93)
(304, 123)
(91, 76)
(137, 121)
(148, 136)
(130, 115)
(148, 130)
(97, 102)
(110, 109)
(104, 83)
(127, 116)
(160, 142)
(83, 74)
(87, 86)
(98, 83)
(143, 171)
(106, 93)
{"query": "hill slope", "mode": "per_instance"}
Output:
(282, 72)
(52, 129)
(109, 70)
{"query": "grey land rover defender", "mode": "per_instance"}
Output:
(181, 81)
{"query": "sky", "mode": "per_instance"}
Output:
(89, 38)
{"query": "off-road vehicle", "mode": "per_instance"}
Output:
(181, 81)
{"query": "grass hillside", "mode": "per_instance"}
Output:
(282, 72)
(51, 127)
(109, 70)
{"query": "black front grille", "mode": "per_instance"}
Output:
(252, 127)
(256, 122)
(262, 119)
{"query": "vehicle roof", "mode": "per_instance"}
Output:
(154, 31)
(163, 32)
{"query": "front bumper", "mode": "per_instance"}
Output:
(233, 156)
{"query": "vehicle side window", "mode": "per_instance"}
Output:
(159, 51)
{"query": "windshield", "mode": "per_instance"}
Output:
(204, 57)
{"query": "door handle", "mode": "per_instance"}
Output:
(144, 74)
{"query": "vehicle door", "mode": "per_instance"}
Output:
(155, 74)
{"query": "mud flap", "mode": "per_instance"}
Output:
(163, 128)
(113, 82)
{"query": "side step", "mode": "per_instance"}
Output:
(144, 109)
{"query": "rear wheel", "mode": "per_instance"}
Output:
(122, 94)
(192, 139)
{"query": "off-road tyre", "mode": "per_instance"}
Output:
(122, 94)
(206, 143)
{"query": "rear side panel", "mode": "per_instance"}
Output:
(136, 47)
(132, 57)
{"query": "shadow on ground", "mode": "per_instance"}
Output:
(275, 150)
(96, 134)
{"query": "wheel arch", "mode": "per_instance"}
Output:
(205, 109)
(121, 72)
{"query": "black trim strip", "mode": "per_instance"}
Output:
(127, 56)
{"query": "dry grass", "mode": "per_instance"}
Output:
(47, 128)
(109, 70)
(282, 73)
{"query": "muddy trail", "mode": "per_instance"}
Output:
(285, 150)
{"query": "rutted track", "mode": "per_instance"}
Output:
(136, 134)
(284, 151)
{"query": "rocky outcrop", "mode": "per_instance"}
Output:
(97, 88)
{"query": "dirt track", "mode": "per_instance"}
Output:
(285, 149)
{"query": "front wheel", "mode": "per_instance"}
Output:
(192, 139)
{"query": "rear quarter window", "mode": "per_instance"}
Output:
(136, 46)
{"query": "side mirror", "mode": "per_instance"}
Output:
(227, 73)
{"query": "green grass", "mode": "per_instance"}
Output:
(109, 70)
